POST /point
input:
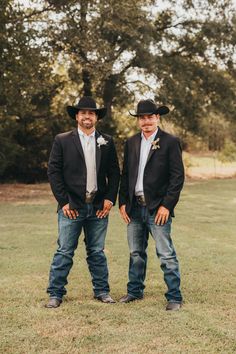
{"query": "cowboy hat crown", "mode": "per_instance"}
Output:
(149, 107)
(86, 103)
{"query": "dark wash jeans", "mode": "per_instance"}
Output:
(142, 223)
(69, 231)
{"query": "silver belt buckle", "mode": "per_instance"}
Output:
(89, 198)
(141, 200)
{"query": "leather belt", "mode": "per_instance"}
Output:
(141, 200)
(89, 198)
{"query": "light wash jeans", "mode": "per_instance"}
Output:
(142, 223)
(69, 231)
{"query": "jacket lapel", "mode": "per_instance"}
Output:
(135, 163)
(98, 152)
(77, 142)
(137, 146)
(151, 152)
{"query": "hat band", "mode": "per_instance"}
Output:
(143, 113)
(88, 108)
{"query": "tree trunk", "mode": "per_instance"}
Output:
(87, 88)
(86, 77)
(109, 90)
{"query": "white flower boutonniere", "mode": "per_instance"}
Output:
(155, 144)
(101, 141)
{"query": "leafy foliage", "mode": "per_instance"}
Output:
(181, 53)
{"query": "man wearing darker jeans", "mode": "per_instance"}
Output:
(84, 176)
(151, 182)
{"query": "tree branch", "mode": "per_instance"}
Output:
(140, 82)
(32, 14)
(127, 66)
(173, 25)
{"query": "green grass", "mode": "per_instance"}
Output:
(204, 235)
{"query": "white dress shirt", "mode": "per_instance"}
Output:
(146, 145)
(88, 143)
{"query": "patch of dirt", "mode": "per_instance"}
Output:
(19, 193)
(208, 172)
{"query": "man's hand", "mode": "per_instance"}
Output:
(70, 213)
(162, 215)
(107, 205)
(123, 214)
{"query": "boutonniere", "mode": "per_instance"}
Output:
(155, 144)
(101, 141)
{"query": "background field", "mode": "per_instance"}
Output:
(207, 165)
(204, 234)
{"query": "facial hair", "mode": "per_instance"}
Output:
(88, 125)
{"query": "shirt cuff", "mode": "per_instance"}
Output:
(110, 201)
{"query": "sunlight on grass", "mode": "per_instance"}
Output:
(209, 166)
(204, 234)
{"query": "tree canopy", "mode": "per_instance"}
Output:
(181, 53)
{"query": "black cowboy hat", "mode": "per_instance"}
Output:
(88, 103)
(149, 107)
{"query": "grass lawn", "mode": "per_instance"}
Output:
(204, 232)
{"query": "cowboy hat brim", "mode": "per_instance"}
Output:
(160, 110)
(73, 110)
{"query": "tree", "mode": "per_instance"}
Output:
(188, 55)
(199, 56)
(182, 53)
(27, 88)
(95, 39)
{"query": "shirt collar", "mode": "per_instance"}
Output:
(81, 133)
(151, 137)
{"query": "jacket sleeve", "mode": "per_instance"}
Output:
(124, 185)
(55, 173)
(176, 175)
(113, 174)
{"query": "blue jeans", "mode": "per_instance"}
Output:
(142, 222)
(69, 231)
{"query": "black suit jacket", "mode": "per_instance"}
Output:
(163, 174)
(67, 170)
